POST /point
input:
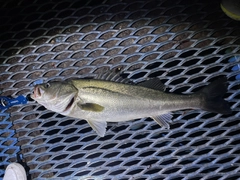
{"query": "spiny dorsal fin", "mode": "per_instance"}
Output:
(91, 107)
(114, 76)
(153, 83)
(163, 120)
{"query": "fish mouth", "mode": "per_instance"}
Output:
(70, 104)
(36, 92)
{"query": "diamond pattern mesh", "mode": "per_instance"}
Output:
(8, 147)
(187, 44)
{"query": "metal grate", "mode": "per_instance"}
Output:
(8, 147)
(187, 44)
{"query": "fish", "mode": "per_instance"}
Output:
(109, 98)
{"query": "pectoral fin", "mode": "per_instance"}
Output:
(98, 126)
(91, 107)
(163, 120)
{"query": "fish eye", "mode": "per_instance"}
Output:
(47, 85)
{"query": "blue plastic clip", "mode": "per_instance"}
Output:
(236, 67)
(7, 102)
(39, 81)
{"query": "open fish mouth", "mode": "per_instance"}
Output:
(37, 92)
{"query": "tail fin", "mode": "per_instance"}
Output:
(213, 97)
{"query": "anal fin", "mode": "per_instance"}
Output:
(98, 126)
(163, 120)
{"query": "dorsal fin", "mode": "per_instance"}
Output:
(153, 83)
(114, 76)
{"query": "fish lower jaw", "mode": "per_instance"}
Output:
(32, 96)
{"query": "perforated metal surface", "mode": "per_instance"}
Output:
(8, 147)
(187, 44)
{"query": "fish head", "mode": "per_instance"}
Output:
(55, 96)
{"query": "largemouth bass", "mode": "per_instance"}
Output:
(100, 101)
